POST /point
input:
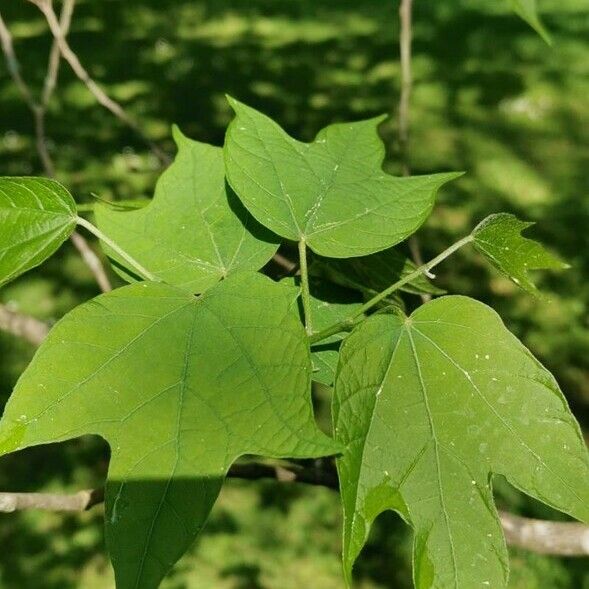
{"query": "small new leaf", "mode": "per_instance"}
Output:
(499, 239)
(428, 408)
(195, 231)
(528, 10)
(180, 387)
(36, 216)
(331, 193)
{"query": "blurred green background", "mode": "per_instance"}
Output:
(490, 98)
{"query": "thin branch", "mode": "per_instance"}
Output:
(80, 501)
(23, 326)
(49, 87)
(349, 323)
(311, 475)
(544, 537)
(37, 108)
(92, 260)
(405, 40)
(65, 20)
(46, 7)
(39, 111)
(14, 66)
(287, 265)
(305, 291)
(405, 9)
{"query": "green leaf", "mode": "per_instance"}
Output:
(180, 387)
(36, 216)
(428, 408)
(373, 274)
(329, 304)
(195, 231)
(331, 193)
(330, 308)
(528, 10)
(499, 239)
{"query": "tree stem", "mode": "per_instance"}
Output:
(406, 82)
(542, 537)
(305, 291)
(144, 272)
(349, 323)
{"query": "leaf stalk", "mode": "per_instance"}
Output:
(143, 272)
(305, 290)
(349, 323)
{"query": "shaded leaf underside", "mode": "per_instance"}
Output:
(374, 273)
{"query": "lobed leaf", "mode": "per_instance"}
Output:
(499, 239)
(36, 216)
(331, 193)
(195, 231)
(429, 408)
(180, 387)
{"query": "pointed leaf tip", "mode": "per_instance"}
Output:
(178, 135)
(233, 102)
(528, 11)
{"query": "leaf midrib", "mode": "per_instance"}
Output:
(437, 453)
(374, 408)
(497, 415)
(182, 388)
(337, 162)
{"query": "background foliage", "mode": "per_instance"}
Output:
(490, 98)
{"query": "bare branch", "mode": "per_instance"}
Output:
(544, 537)
(48, 89)
(81, 501)
(405, 40)
(39, 110)
(14, 66)
(92, 261)
(46, 7)
(41, 142)
(23, 326)
(287, 265)
(65, 20)
(317, 475)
